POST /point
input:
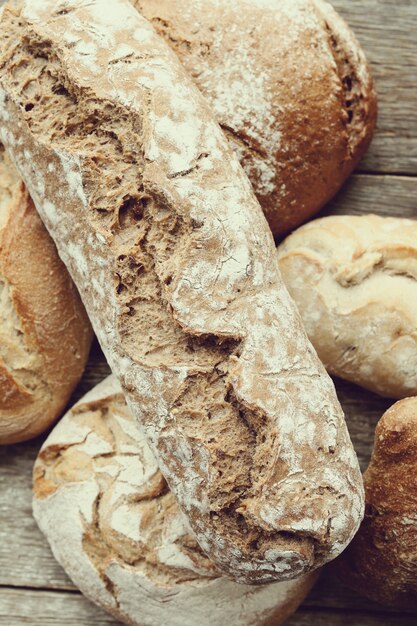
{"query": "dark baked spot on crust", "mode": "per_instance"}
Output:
(358, 98)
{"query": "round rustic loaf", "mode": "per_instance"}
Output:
(381, 561)
(290, 87)
(45, 334)
(118, 532)
(354, 280)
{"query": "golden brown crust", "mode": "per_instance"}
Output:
(381, 561)
(45, 332)
(354, 279)
(289, 85)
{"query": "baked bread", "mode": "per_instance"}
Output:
(354, 280)
(381, 561)
(45, 335)
(176, 265)
(289, 85)
(118, 532)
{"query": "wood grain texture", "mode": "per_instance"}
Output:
(333, 618)
(20, 607)
(44, 608)
(394, 196)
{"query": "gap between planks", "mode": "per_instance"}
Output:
(20, 607)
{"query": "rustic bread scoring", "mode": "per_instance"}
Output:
(381, 561)
(354, 280)
(114, 526)
(45, 335)
(176, 265)
(289, 85)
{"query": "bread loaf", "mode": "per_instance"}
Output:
(118, 532)
(381, 561)
(290, 87)
(354, 280)
(159, 227)
(45, 335)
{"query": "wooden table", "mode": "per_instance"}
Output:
(33, 588)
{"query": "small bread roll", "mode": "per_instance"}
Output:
(289, 85)
(118, 532)
(354, 280)
(381, 563)
(45, 335)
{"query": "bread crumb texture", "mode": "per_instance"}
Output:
(112, 523)
(176, 265)
(381, 562)
(354, 280)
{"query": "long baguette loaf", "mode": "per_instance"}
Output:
(162, 234)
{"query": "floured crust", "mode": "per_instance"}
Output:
(119, 534)
(381, 561)
(44, 331)
(290, 86)
(163, 236)
(354, 280)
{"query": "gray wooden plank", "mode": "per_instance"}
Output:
(333, 618)
(43, 608)
(331, 594)
(385, 195)
(20, 607)
(387, 30)
(25, 557)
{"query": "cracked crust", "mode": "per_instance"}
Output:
(354, 280)
(381, 561)
(290, 87)
(45, 335)
(113, 525)
(163, 236)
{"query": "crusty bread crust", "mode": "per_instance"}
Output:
(114, 526)
(45, 334)
(290, 86)
(381, 561)
(354, 280)
(163, 236)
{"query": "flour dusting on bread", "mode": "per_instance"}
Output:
(113, 525)
(184, 290)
